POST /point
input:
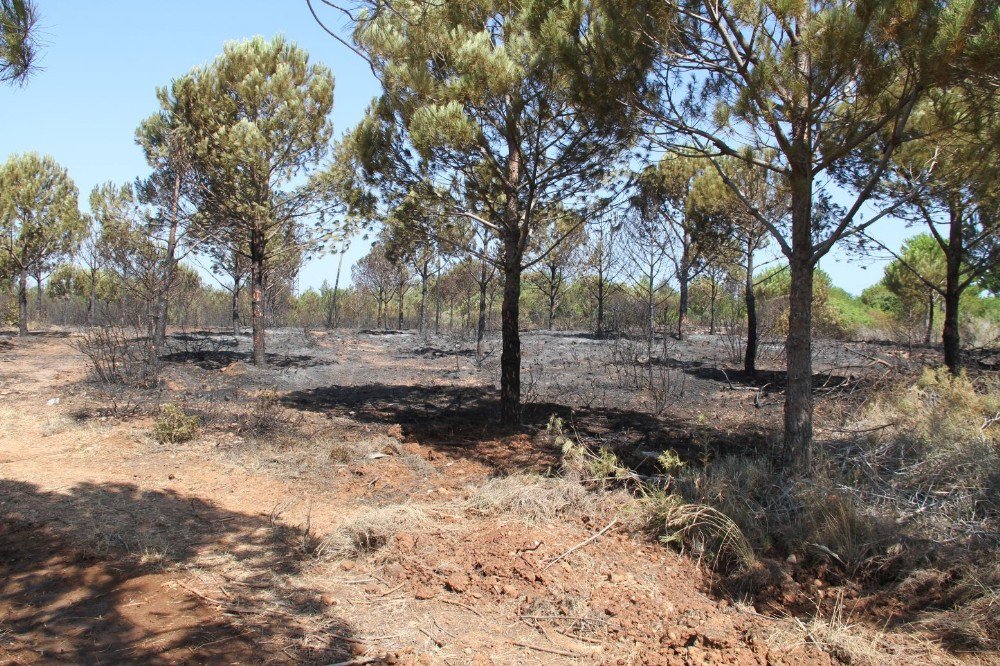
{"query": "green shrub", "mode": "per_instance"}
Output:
(174, 426)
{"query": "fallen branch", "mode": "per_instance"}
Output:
(582, 543)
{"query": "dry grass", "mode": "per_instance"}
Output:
(371, 531)
(970, 619)
(700, 529)
(856, 643)
(529, 497)
(9, 418)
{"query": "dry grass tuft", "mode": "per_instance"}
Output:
(701, 529)
(529, 497)
(371, 531)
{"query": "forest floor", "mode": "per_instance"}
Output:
(343, 505)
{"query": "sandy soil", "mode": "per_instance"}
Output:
(117, 549)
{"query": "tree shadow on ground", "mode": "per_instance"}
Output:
(775, 380)
(434, 352)
(464, 421)
(217, 359)
(85, 577)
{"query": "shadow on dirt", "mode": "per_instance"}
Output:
(464, 421)
(81, 581)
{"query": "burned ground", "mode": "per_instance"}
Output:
(347, 504)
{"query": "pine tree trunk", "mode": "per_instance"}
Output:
(424, 274)
(236, 309)
(22, 304)
(682, 306)
(92, 298)
(38, 293)
(798, 347)
(257, 290)
(437, 301)
(600, 304)
(750, 353)
(399, 312)
(332, 316)
(711, 324)
(650, 318)
(950, 338)
(514, 244)
(510, 358)
(481, 324)
(929, 319)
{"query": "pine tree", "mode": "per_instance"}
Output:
(813, 83)
(489, 106)
(18, 40)
(258, 119)
(40, 220)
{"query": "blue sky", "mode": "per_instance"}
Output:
(102, 61)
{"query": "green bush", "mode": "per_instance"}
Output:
(174, 426)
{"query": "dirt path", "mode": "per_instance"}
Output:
(231, 549)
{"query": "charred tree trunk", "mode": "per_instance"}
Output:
(750, 353)
(682, 285)
(650, 316)
(258, 286)
(424, 274)
(510, 358)
(332, 316)
(481, 323)
(600, 304)
(236, 309)
(437, 300)
(711, 320)
(91, 298)
(169, 271)
(929, 319)
(399, 311)
(22, 303)
(950, 338)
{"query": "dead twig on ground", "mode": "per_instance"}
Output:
(582, 543)
(465, 606)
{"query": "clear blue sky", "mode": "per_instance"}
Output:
(102, 61)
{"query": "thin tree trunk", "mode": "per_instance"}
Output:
(38, 293)
(481, 324)
(930, 318)
(711, 321)
(600, 304)
(682, 306)
(437, 300)
(22, 303)
(236, 308)
(399, 312)
(650, 318)
(424, 274)
(750, 353)
(91, 298)
(332, 316)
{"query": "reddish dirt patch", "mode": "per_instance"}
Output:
(62, 605)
